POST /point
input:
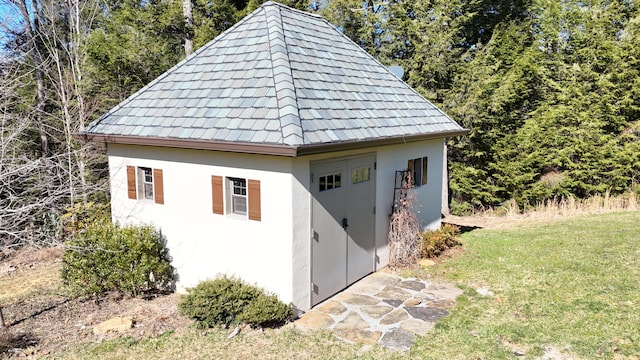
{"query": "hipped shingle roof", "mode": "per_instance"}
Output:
(279, 77)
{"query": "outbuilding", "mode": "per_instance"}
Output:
(270, 154)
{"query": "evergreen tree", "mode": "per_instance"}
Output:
(134, 42)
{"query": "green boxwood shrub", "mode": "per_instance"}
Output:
(435, 242)
(105, 257)
(228, 301)
(265, 311)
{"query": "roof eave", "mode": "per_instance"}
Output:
(265, 149)
(238, 147)
(360, 144)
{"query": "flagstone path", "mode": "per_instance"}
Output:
(383, 309)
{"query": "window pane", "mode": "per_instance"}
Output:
(145, 183)
(239, 204)
(360, 175)
(148, 177)
(239, 186)
(148, 191)
(328, 182)
(424, 170)
(417, 171)
(236, 196)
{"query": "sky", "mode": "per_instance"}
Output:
(9, 18)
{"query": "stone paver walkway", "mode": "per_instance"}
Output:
(383, 309)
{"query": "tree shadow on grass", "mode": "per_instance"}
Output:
(49, 307)
(10, 341)
(464, 228)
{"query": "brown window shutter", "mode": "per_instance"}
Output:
(254, 199)
(217, 196)
(158, 186)
(131, 182)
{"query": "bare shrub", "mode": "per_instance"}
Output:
(404, 226)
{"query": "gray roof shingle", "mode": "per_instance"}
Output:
(278, 77)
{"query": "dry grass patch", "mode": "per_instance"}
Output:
(569, 206)
(285, 343)
(29, 271)
(511, 215)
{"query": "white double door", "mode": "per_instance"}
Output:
(343, 206)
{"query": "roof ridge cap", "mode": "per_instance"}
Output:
(289, 113)
(288, 8)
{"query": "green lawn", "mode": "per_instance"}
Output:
(196, 344)
(565, 288)
(571, 285)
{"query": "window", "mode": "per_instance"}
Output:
(145, 183)
(238, 192)
(331, 181)
(237, 195)
(418, 170)
(361, 174)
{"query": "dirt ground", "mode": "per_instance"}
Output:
(42, 319)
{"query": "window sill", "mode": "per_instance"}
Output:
(145, 201)
(237, 216)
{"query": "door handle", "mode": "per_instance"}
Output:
(345, 223)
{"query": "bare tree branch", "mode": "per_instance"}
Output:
(40, 180)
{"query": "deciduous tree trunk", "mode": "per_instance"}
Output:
(188, 25)
(32, 32)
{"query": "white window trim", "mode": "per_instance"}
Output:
(230, 195)
(142, 183)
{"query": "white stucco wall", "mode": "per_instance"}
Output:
(274, 253)
(204, 244)
(301, 246)
(429, 196)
